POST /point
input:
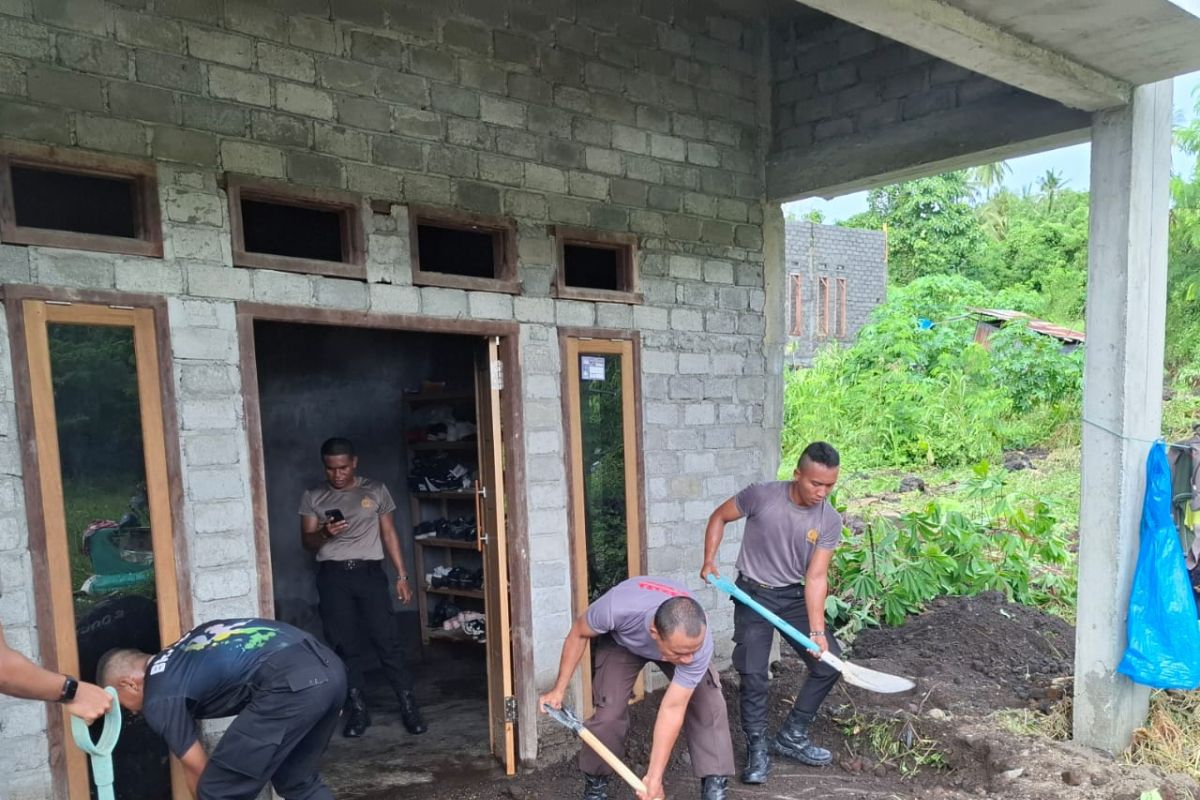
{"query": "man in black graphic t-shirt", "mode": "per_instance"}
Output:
(284, 686)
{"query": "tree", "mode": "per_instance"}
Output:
(932, 228)
(1050, 184)
(990, 177)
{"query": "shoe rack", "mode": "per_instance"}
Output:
(442, 549)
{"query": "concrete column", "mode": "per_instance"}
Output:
(1126, 307)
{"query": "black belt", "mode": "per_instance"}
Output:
(755, 584)
(350, 564)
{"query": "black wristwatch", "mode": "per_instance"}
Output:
(70, 687)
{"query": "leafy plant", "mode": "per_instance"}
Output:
(893, 742)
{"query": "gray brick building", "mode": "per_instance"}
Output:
(835, 277)
(289, 219)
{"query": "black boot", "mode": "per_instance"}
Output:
(410, 714)
(595, 787)
(758, 758)
(712, 787)
(358, 719)
(793, 741)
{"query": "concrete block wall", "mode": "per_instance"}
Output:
(814, 251)
(831, 79)
(630, 115)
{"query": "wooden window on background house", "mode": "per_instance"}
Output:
(295, 228)
(841, 306)
(596, 265)
(823, 301)
(797, 294)
(78, 200)
(460, 250)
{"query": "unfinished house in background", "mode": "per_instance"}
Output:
(835, 277)
(232, 228)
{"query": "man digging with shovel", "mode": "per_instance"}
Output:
(791, 533)
(639, 620)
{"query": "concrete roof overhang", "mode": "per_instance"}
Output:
(1085, 54)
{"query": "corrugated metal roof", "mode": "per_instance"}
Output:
(1041, 326)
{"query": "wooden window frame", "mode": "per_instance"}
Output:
(625, 245)
(823, 299)
(797, 304)
(503, 231)
(143, 173)
(841, 317)
(30, 309)
(348, 207)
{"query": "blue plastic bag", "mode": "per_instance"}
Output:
(1164, 639)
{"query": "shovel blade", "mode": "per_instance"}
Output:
(870, 679)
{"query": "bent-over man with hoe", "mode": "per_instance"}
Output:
(285, 687)
(639, 620)
(791, 533)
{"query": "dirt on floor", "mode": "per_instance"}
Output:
(970, 658)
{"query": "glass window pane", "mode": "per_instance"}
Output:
(94, 373)
(603, 439)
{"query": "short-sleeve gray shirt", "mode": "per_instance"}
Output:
(361, 504)
(780, 536)
(626, 612)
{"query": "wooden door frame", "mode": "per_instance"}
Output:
(67, 765)
(511, 415)
(575, 531)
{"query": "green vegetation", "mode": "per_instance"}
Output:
(894, 743)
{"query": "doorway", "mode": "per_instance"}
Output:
(102, 490)
(423, 412)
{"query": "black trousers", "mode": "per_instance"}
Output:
(296, 697)
(356, 608)
(752, 652)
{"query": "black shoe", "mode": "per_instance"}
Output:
(358, 719)
(794, 741)
(758, 758)
(712, 787)
(410, 714)
(595, 787)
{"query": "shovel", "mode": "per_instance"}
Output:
(100, 752)
(568, 719)
(855, 675)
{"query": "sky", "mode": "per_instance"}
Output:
(1072, 163)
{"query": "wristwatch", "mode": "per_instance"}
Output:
(70, 687)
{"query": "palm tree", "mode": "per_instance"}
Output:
(1050, 184)
(990, 177)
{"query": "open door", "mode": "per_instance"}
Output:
(493, 544)
(95, 411)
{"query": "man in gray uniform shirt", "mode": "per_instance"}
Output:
(639, 620)
(791, 533)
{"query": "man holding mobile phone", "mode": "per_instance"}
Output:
(348, 523)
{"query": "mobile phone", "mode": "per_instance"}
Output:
(334, 515)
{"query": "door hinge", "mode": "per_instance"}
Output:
(510, 709)
(498, 375)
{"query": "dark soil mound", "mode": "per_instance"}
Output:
(974, 654)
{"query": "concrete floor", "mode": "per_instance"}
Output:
(451, 686)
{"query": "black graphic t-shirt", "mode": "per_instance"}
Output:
(207, 674)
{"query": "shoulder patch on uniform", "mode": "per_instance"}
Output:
(812, 535)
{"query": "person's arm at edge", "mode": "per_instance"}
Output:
(312, 533)
(715, 531)
(194, 761)
(667, 725)
(20, 677)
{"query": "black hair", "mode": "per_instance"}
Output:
(680, 613)
(337, 446)
(115, 663)
(820, 453)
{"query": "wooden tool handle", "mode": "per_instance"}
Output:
(625, 772)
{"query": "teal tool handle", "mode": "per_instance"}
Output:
(730, 588)
(101, 751)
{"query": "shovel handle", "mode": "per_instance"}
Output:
(730, 588)
(618, 766)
